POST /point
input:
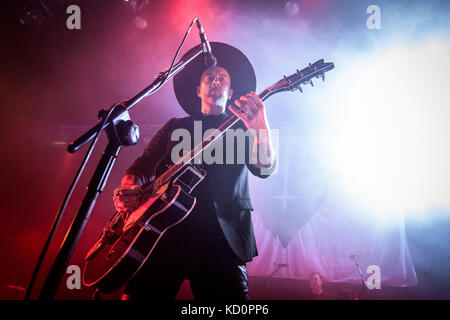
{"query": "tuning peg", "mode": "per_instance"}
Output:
(287, 80)
(323, 76)
(309, 65)
(311, 83)
(300, 88)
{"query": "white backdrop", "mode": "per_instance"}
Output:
(305, 221)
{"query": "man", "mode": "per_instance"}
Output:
(212, 245)
(317, 292)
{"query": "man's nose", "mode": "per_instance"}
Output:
(216, 82)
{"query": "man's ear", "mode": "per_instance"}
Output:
(198, 91)
(230, 94)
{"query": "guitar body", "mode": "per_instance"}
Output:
(125, 246)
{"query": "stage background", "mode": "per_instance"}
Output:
(327, 201)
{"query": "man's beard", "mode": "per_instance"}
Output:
(218, 96)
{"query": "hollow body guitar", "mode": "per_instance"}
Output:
(126, 243)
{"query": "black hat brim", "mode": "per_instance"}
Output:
(242, 74)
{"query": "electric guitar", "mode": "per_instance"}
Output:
(126, 243)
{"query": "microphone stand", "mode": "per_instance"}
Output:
(278, 267)
(120, 131)
(366, 289)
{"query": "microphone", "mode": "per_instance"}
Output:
(210, 59)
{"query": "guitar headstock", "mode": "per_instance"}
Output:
(302, 77)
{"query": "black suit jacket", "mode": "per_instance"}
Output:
(228, 182)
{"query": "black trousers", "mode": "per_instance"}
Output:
(212, 269)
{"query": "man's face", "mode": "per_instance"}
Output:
(315, 282)
(215, 87)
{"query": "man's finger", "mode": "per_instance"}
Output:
(256, 100)
(252, 105)
(128, 197)
(238, 113)
(240, 107)
(244, 103)
(129, 191)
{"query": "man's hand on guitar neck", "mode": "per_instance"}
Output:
(251, 110)
(127, 197)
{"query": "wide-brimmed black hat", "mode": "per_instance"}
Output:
(243, 78)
